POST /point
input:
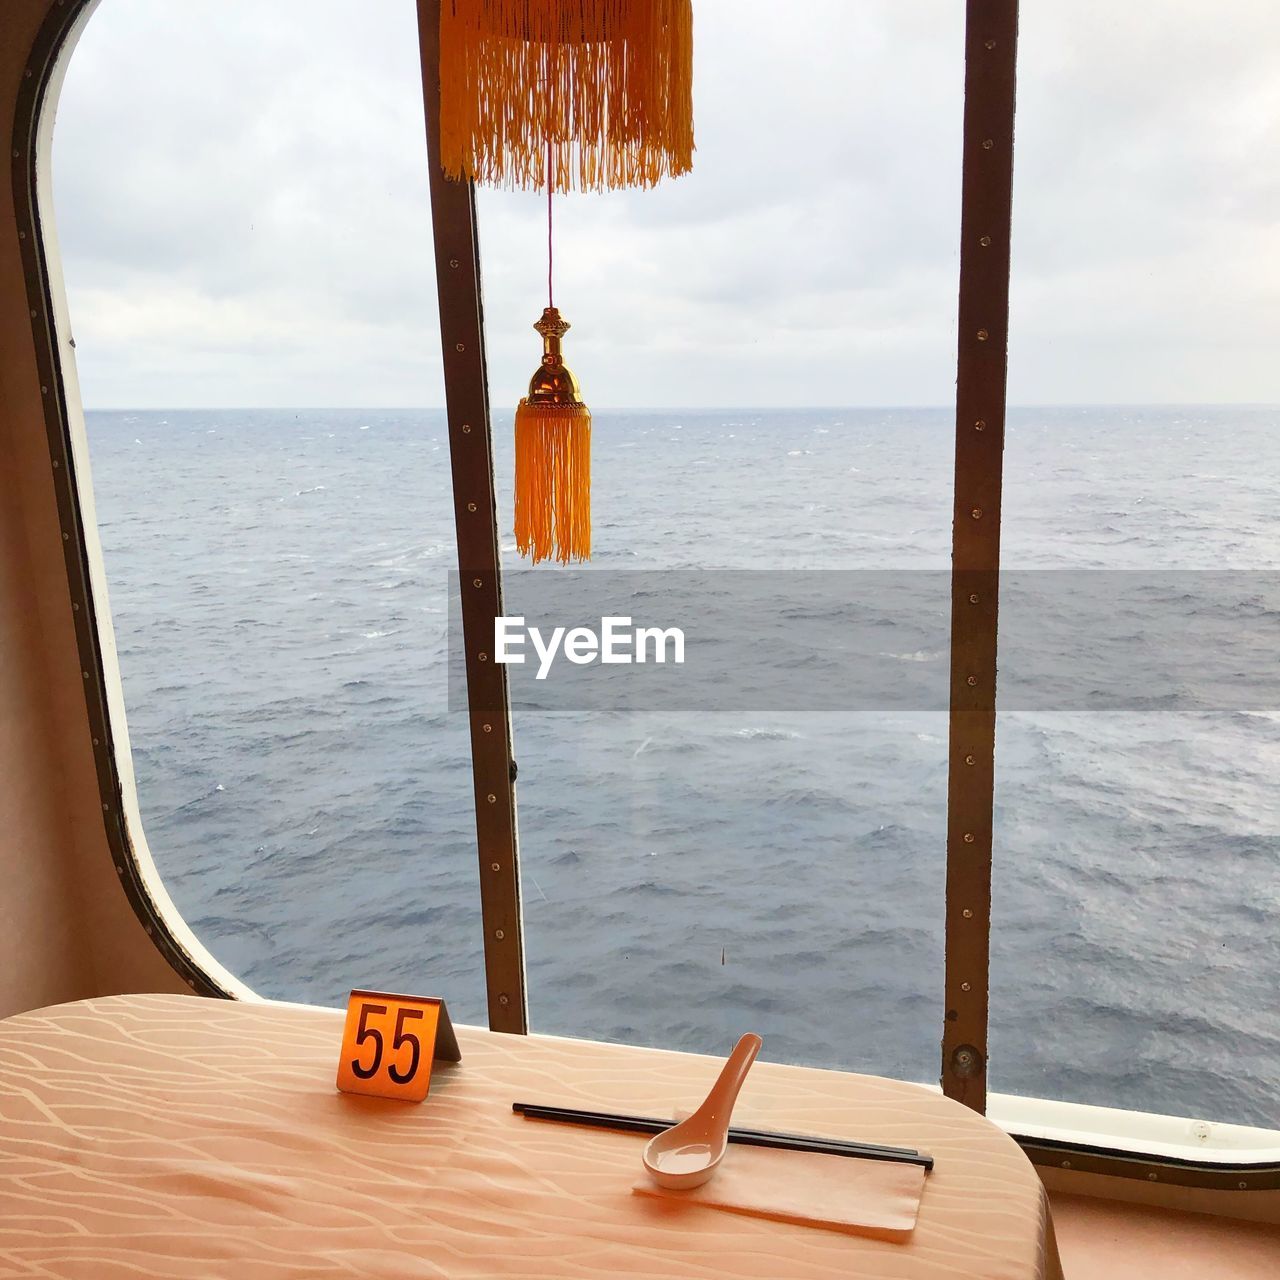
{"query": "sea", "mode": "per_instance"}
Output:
(279, 585)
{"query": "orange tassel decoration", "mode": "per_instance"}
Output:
(565, 95)
(608, 82)
(553, 457)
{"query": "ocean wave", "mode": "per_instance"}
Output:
(1131, 846)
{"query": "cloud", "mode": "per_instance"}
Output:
(241, 196)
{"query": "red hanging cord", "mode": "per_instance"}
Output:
(550, 298)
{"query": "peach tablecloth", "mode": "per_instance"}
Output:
(169, 1136)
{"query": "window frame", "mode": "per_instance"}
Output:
(82, 553)
(1053, 1134)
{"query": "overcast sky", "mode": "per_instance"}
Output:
(241, 199)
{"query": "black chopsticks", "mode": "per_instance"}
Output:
(745, 1137)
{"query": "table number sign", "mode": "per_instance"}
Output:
(390, 1042)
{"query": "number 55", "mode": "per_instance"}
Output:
(389, 1043)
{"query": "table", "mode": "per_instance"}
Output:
(175, 1137)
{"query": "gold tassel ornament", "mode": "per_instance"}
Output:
(553, 457)
(566, 95)
(609, 81)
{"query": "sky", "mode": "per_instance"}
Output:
(240, 192)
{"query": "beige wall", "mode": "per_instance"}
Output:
(66, 928)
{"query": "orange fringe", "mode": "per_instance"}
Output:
(553, 481)
(606, 84)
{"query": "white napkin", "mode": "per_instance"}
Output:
(860, 1197)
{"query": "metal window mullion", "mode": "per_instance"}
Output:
(453, 217)
(991, 28)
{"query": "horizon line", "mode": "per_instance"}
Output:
(685, 408)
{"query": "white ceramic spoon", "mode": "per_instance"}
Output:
(689, 1153)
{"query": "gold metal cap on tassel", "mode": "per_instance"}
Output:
(553, 457)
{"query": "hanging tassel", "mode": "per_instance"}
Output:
(563, 94)
(553, 457)
(610, 81)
